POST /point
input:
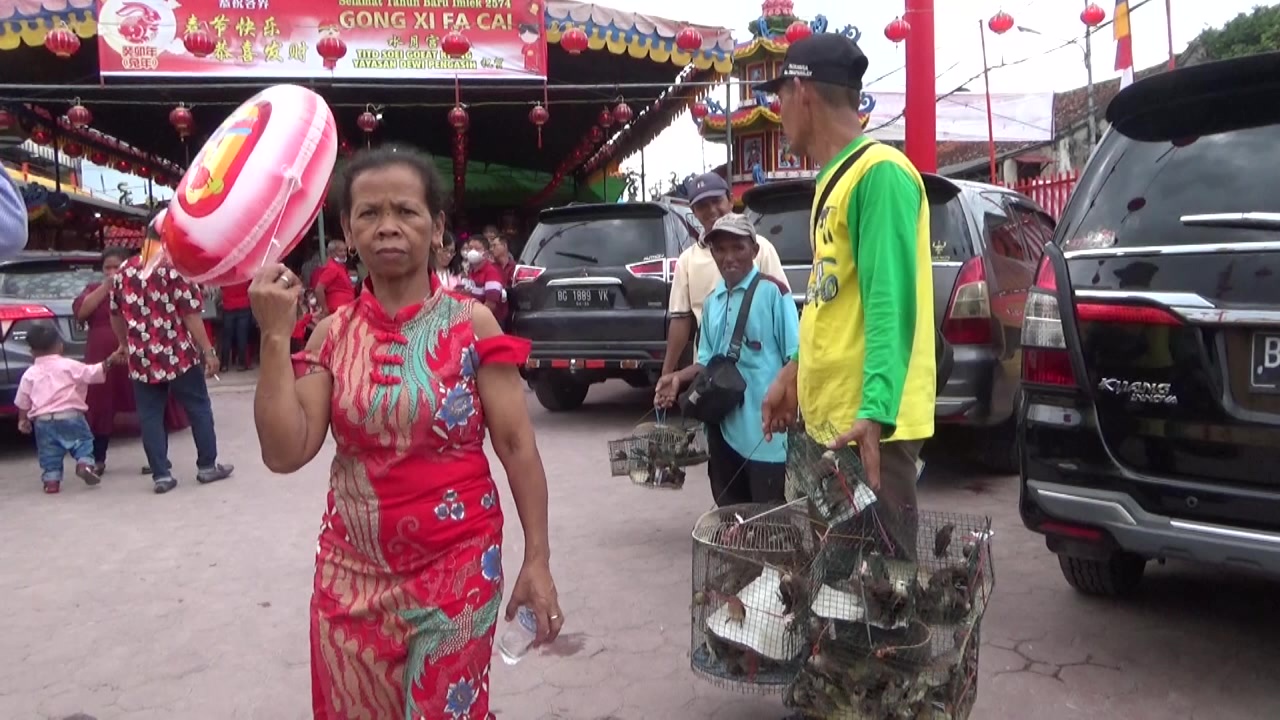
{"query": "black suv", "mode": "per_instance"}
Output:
(591, 292)
(986, 243)
(1150, 416)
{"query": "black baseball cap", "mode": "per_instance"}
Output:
(828, 58)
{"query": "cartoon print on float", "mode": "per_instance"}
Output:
(219, 163)
(139, 30)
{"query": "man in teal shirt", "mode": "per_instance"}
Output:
(744, 467)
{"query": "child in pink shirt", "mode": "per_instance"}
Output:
(51, 400)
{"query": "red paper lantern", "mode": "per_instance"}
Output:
(331, 48)
(1000, 23)
(123, 166)
(539, 117)
(775, 106)
(689, 40)
(699, 111)
(459, 118)
(596, 135)
(97, 157)
(182, 121)
(199, 42)
(622, 113)
(455, 44)
(72, 150)
(605, 118)
(1093, 15)
(61, 41)
(143, 172)
(79, 116)
(367, 122)
(798, 31)
(41, 136)
(897, 30)
(574, 40)
(7, 121)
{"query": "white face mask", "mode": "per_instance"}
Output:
(474, 256)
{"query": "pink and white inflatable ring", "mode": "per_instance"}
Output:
(254, 189)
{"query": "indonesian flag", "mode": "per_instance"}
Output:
(1124, 43)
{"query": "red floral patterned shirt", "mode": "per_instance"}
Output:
(160, 348)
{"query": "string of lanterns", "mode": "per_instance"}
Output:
(73, 137)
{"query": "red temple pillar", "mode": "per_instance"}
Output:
(921, 116)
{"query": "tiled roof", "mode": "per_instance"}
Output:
(1070, 109)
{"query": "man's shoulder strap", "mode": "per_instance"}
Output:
(834, 180)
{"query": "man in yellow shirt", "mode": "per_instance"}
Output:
(866, 367)
(696, 273)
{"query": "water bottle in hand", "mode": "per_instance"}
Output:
(518, 636)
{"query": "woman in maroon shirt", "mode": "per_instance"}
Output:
(111, 404)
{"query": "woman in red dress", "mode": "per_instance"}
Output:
(112, 410)
(409, 377)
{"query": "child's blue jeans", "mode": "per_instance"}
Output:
(58, 434)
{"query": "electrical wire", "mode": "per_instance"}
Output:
(961, 87)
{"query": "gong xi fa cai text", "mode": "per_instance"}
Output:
(352, 39)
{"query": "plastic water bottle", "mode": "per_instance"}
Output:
(518, 636)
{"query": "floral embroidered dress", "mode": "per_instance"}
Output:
(408, 580)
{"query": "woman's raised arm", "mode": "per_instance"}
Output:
(290, 407)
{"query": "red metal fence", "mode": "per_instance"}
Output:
(1051, 191)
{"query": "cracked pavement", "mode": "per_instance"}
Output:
(122, 604)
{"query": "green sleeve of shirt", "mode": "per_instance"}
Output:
(885, 209)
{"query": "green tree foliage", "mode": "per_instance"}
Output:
(1247, 34)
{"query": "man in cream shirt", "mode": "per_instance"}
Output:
(696, 272)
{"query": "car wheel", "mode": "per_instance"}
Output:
(1000, 448)
(1117, 576)
(560, 395)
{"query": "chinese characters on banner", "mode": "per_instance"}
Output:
(278, 38)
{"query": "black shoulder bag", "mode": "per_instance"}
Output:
(719, 388)
(943, 355)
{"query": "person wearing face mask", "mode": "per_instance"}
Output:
(485, 280)
(331, 282)
(696, 272)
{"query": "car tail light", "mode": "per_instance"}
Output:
(526, 273)
(968, 318)
(14, 317)
(1045, 360)
(656, 269)
(1130, 314)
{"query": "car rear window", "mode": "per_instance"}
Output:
(785, 223)
(44, 281)
(596, 241)
(1135, 193)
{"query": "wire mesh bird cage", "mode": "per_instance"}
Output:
(833, 480)
(656, 454)
(750, 586)
(893, 632)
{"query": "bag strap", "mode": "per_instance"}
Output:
(740, 328)
(831, 185)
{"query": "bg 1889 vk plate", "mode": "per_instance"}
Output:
(584, 297)
(1264, 375)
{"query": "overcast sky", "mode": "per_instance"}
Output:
(959, 57)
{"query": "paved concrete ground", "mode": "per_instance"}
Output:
(121, 604)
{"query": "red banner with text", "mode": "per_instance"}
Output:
(381, 39)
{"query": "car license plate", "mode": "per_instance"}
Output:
(1265, 375)
(584, 298)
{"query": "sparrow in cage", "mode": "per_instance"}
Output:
(793, 591)
(942, 540)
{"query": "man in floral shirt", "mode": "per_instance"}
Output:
(157, 318)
